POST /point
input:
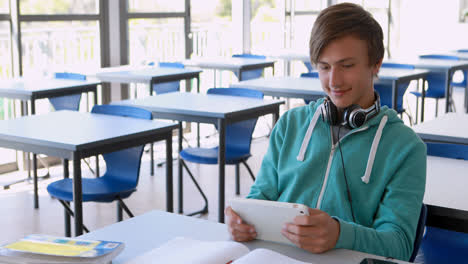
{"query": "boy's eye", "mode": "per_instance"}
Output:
(348, 65)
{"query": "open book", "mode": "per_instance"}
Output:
(186, 250)
(35, 249)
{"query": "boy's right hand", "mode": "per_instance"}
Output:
(239, 230)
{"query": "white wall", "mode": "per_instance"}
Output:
(428, 26)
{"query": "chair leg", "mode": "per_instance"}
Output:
(237, 179)
(119, 213)
(437, 107)
(70, 212)
(121, 205)
(205, 208)
(417, 108)
(248, 168)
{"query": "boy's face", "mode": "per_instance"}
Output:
(345, 73)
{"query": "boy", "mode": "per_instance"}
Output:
(356, 165)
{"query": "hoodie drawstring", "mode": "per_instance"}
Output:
(310, 129)
(375, 145)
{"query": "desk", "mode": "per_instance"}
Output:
(290, 87)
(150, 76)
(311, 88)
(73, 135)
(147, 75)
(237, 65)
(446, 195)
(449, 128)
(397, 76)
(288, 55)
(146, 232)
(446, 178)
(212, 109)
(448, 67)
(27, 89)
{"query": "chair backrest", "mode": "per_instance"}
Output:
(419, 232)
(168, 87)
(67, 102)
(239, 134)
(444, 246)
(312, 74)
(439, 57)
(447, 150)
(308, 66)
(250, 74)
(397, 65)
(123, 165)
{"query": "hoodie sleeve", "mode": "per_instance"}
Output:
(265, 186)
(393, 230)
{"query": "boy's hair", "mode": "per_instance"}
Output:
(342, 20)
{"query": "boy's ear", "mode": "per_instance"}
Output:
(377, 66)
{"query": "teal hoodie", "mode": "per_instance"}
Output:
(385, 165)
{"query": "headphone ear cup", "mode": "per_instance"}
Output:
(354, 116)
(331, 113)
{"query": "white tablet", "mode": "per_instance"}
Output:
(268, 217)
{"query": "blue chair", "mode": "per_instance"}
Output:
(67, 102)
(310, 74)
(168, 87)
(419, 232)
(238, 141)
(435, 82)
(250, 74)
(308, 66)
(443, 246)
(122, 173)
(385, 89)
(462, 50)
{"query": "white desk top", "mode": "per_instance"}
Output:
(446, 183)
(228, 63)
(129, 74)
(296, 87)
(433, 64)
(143, 233)
(213, 106)
(394, 74)
(68, 131)
(448, 128)
(24, 88)
(289, 54)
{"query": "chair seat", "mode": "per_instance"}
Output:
(444, 246)
(430, 94)
(210, 155)
(100, 189)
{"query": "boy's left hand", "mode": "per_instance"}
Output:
(317, 232)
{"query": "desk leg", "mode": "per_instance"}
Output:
(394, 95)
(66, 175)
(447, 91)
(423, 96)
(36, 196)
(180, 181)
(221, 164)
(151, 159)
(77, 194)
(198, 124)
(169, 188)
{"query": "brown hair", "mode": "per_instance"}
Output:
(345, 19)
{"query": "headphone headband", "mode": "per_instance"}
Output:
(354, 116)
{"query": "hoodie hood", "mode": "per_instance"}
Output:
(384, 117)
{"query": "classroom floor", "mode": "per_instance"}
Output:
(19, 218)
